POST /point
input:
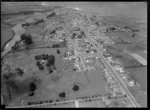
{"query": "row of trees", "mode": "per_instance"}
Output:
(10, 74)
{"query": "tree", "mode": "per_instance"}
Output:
(51, 60)
(26, 38)
(26, 24)
(39, 21)
(51, 15)
(15, 47)
(39, 65)
(8, 75)
(55, 46)
(58, 52)
(53, 32)
(32, 87)
(19, 71)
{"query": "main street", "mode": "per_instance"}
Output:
(113, 73)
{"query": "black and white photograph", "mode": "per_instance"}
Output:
(74, 54)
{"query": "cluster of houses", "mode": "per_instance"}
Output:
(102, 39)
(121, 71)
(112, 84)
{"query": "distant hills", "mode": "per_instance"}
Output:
(8, 8)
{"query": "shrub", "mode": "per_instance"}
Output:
(58, 52)
(55, 46)
(19, 71)
(51, 15)
(26, 24)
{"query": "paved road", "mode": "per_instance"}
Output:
(67, 101)
(115, 75)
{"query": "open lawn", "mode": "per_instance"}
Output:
(61, 80)
(6, 34)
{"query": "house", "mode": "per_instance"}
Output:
(131, 83)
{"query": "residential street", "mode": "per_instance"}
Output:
(115, 75)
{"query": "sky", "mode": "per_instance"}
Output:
(129, 9)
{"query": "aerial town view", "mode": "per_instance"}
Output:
(74, 54)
